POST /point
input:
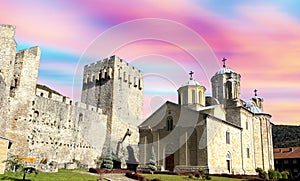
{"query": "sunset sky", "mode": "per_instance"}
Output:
(167, 39)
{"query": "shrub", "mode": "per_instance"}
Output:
(201, 171)
(278, 175)
(285, 175)
(191, 176)
(152, 162)
(272, 174)
(207, 177)
(197, 175)
(108, 162)
(262, 174)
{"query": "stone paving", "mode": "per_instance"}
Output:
(117, 177)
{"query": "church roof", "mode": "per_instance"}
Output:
(190, 82)
(224, 70)
(253, 108)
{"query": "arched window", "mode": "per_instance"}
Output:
(227, 137)
(248, 152)
(169, 123)
(80, 118)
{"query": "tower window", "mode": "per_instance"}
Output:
(227, 137)
(246, 125)
(248, 152)
(169, 123)
(193, 97)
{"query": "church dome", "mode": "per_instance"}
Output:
(252, 107)
(191, 82)
(224, 70)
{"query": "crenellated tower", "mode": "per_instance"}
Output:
(7, 53)
(117, 88)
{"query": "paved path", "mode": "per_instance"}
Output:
(110, 176)
(117, 177)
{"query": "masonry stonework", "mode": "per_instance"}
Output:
(47, 125)
(222, 134)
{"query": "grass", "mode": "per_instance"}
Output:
(61, 175)
(182, 178)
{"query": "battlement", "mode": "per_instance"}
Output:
(63, 99)
(113, 68)
(31, 52)
(7, 31)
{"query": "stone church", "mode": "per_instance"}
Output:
(45, 125)
(220, 133)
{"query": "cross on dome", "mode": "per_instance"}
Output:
(255, 92)
(224, 60)
(191, 74)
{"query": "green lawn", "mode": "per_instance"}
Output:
(182, 178)
(62, 175)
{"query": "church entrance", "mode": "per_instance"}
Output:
(228, 165)
(170, 162)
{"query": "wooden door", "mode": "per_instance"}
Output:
(170, 162)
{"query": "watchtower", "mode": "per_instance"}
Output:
(117, 88)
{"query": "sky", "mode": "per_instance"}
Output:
(166, 40)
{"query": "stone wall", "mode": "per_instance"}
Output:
(117, 88)
(7, 53)
(62, 130)
(3, 154)
(219, 151)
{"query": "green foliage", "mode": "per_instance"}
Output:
(191, 176)
(13, 164)
(201, 171)
(152, 161)
(207, 177)
(279, 176)
(285, 175)
(272, 174)
(261, 173)
(285, 136)
(108, 161)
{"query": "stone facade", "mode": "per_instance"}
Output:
(5, 145)
(117, 88)
(47, 125)
(222, 134)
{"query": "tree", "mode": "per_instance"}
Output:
(108, 161)
(152, 162)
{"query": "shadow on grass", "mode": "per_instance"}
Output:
(13, 179)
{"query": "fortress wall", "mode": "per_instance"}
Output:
(63, 132)
(7, 52)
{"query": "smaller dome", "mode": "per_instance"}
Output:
(252, 107)
(191, 82)
(224, 70)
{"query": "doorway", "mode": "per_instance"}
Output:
(170, 162)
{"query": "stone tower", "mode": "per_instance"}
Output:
(192, 94)
(7, 53)
(226, 85)
(117, 88)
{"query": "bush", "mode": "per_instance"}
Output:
(262, 174)
(197, 175)
(285, 175)
(108, 162)
(278, 175)
(191, 176)
(272, 174)
(152, 161)
(207, 177)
